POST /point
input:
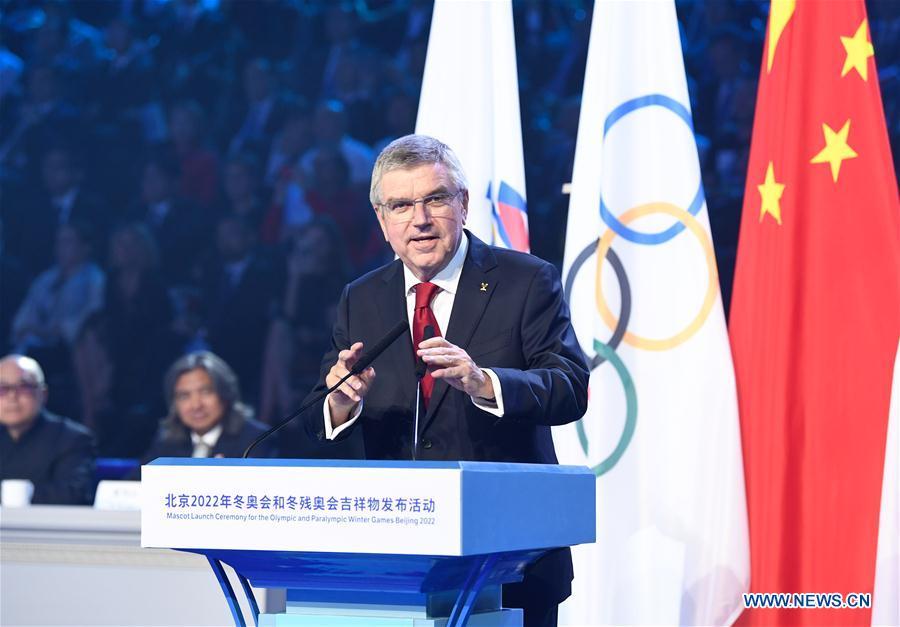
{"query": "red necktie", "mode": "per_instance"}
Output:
(423, 316)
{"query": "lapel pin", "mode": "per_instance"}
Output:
(484, 287)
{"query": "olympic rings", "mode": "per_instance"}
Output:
(712, 276)
(624, 291)
(699, 199)
(630, 412)
(686, 219)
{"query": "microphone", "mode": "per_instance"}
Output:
(421, 368)
(367, 358)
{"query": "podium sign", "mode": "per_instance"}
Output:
(296, 508)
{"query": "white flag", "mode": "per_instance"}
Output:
(470, 101)
(886, 595)
(662, 430)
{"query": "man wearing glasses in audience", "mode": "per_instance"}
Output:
(498, 357)
(44, 458)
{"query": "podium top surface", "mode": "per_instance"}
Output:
(370, 507)
(356, 463)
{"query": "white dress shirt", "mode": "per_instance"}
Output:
(204, 444)
(442, 305)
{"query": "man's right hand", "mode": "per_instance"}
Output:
(343, 400)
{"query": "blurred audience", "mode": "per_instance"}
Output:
(330, 193)
(317, 270)
(215, 155)
(292, 140)
(126, 95)
(330, 128)
(62, 297)
(260, 114)
(49, 322)
(178, 226)
(128, 346)
(13, 285)
(244, 195)
(239, 289)
(194, 42)
(62, 198)
(44, 115)
(198, 163)
(288, 208)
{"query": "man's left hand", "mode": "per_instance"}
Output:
(452, 364)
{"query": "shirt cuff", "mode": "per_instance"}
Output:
(494, 407)
(333, 432)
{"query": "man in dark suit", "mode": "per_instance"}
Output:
(206, 415)
(504, 364)
(55, 454)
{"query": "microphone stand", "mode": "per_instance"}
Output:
(302, 409)
(367, 358)
(421, 369)
(420, 372)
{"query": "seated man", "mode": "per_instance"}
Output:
(55, 454)
(206, 416)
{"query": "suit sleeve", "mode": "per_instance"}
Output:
(71, 477)
(552, 389)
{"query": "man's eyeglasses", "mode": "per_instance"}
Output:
(402, 209)
(18, 389)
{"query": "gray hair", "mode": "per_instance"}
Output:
(227, 389)
(410, 151)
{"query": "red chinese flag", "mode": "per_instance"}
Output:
(815, 316)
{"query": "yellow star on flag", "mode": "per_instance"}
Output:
(859, 49)
(770, 192)
(836, 149)
(780, 13)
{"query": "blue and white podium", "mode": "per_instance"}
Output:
(368, 543)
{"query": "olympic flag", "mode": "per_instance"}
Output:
(470, 101)
(886, 590)
(662, 430)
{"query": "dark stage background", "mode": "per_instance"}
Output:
(203, 167)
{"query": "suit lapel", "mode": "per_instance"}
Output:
(472, 297)
(390, 302)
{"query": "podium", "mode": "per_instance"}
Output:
(368, 543)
